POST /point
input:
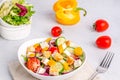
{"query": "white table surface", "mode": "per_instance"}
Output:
(81, 33)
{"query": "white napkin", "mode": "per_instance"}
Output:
(19, 73)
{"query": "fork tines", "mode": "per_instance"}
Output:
(107, 60)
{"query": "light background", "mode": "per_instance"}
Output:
(81, 33)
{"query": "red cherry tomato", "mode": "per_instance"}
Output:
(103, 42)
(101, 25)
(56, 31)
(33, 64)
(52, 49)
(38, 49)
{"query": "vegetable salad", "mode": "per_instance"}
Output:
(54, 57)
(16, 12)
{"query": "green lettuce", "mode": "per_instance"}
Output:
(14, 19)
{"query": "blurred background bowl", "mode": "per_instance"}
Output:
(12, 32)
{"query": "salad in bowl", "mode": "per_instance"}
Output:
(16, 12)
(15, 19)
(49, 58)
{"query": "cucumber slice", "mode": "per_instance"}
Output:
(60, 40)
(70, 49)
(59, 67)
(82, 57)
(56, 69)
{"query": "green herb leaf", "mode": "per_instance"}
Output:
(25, 58)
(14, 19)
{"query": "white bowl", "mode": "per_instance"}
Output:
(11, 32)
(22, 51)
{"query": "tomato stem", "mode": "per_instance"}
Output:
(94, 26)
(78, 8)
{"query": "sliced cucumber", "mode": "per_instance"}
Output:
(56, 69)
(82, 57)
(70, 49)
(59, 66)
(60, 40)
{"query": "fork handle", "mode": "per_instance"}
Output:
(93, 75)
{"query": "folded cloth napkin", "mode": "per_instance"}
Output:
(19, 73)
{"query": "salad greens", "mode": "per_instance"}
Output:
(19, 7)
(18, 1)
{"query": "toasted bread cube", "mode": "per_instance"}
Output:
(61, 47)
(53, 72)
(70, 60)
(47, 54)
(51, 62)
(30, 54)
(65, 64)
(36, 45)
(48, 39)
(57, 56)
(30, 49)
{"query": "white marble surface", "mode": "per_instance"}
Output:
(81, 33)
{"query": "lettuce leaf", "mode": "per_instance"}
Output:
(13, 17)
(18, 1)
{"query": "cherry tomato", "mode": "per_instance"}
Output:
(52, 49)
(103, 42)
(33, 64)
(101, 25)
(56, 31)
(38, 49)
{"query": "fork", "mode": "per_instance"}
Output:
(104, 65)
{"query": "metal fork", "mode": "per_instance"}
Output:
(104, 65)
